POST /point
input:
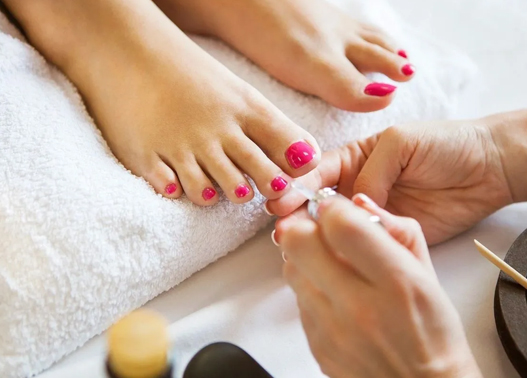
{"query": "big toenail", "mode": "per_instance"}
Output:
(299, 154)
(408, 70)
(208, 193)
(402, 53)
(170, 188)
(242, 190)
(278, 184)
(379, 89)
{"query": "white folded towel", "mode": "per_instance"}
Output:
(83, 241)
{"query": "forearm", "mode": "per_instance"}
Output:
(509, 132)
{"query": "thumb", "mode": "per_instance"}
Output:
(385, 164)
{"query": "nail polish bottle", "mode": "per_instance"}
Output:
(138, 347)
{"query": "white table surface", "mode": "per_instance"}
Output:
(245, 292)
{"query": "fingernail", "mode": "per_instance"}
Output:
(242, 190)
(284, 257)
(278, 184)
(379, 89)
(266, 209)
(208, 193)
(170, 188)
(402, 53)
(408, 70)
(299, 154)
(362, 200)
(273, 238)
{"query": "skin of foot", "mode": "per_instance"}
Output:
(169, 111)
(309, 45)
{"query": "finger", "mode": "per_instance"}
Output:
(309, 298)
(304, 249)
(338, 167)
(326, 174)
(407, 231)
(372, 252)
(285, 222)
(385, 164)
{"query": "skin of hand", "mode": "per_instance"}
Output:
(369, 299)
(446, 175)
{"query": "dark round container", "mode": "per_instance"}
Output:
(510, 307)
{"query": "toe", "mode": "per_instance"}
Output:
(269, 178)
(377, 37)
(162, 178)
(197, 186)
(343, 86)
(370, 57)
(228, 176)
(289, 146)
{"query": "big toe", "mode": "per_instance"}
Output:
(286, 144)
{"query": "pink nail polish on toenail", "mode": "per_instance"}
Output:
(208, 193)
(402, 53)
(408, 70)
(242, 190)
(379, 89)
(170, 188)
(299, 154)
(278, 184)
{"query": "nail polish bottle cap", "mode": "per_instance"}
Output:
(138, 345)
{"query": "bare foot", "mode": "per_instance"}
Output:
(309, 45)
(170, 112)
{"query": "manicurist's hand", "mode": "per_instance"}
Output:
(446, 175)
(369, 299)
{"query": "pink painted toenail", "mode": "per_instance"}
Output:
(170, 188)
(408, 70)
(379, 89)
(242, 190)
(402, 53)
(208, 193)
(299, 154)
(278, 184)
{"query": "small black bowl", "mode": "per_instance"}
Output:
(510, 307)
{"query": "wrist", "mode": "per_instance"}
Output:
(509, 133)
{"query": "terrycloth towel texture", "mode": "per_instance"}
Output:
(83, 241)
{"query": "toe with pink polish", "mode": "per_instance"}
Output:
(299, 154)
(402, 53)
(408, 70)
(379, 89)
(208, 193)
(278, 184)
(242, 190)
(170, 188)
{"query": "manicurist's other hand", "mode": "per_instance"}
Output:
(369, 299)
(446, 175)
